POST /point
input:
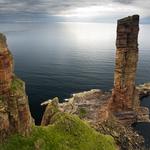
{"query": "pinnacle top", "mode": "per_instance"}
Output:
(3, 44)
(130, 19)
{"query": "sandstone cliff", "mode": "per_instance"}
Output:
(15, 115)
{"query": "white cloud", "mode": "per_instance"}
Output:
(108, 10)
(77, 8)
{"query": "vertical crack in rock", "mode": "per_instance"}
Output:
(15, 115)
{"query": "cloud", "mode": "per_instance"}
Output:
(73, 8)
(124, 1)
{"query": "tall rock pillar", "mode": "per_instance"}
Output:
(124, 95)
(15, 115)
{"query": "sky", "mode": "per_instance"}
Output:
(72, 10)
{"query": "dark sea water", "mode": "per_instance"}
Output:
(58, 59)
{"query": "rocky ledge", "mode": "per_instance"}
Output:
(89, 105)
(93, 107)
(144, 90)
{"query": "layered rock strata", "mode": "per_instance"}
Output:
(15, 115)
(125, 97)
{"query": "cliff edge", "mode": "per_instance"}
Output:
(15, 114)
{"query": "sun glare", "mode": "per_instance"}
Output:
(86, 11)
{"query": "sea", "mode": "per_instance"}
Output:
(58, 59)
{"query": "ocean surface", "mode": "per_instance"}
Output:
(59, 59)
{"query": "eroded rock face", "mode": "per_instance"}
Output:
(15, 115)
(91, 106)
(124, 94)
(125, 136)
(51, 110)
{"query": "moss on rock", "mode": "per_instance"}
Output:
(82, 112)
(67, 132)
(17, 85)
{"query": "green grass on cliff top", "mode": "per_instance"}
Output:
(67, 133)
(17, 85)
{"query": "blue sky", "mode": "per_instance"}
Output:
(72, 10)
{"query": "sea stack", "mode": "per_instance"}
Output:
(124, 95)
(15, 115)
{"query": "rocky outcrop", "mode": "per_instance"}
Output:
(51, 110)
(143, 114)
(144, 90)
(91, 106)
(15, 115)
(125, 136)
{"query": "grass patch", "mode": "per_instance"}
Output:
(67, 133)
(82, 112)
(17, 85)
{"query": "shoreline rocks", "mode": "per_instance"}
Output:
(144, 90)
(87, 104)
